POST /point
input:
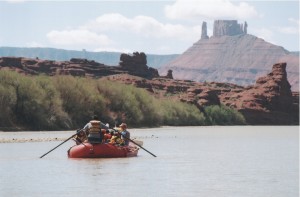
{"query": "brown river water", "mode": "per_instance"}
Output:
(238, 161)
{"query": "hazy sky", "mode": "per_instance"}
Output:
(153, 27)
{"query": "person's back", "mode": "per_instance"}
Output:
(93, 128)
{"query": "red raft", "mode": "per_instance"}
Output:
(87, 150)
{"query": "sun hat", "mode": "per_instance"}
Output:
(123, 125)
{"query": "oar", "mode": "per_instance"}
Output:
(76, 141)
(60, 144)
(136, 144)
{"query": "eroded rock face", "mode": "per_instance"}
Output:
(11, 61)
(232, 56)
(134, 65)
(268, 102)
(170, 74)
(276, 88)
(245, 27)
(270, 93)
(204, 31)
(228, 28)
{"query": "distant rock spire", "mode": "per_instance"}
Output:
(170, 74)
(242, 27)
(245, 27)
(204, 31)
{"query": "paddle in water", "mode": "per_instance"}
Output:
(135, 143)
(78, 131)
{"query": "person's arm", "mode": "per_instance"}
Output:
(103, 126)
(87, 126)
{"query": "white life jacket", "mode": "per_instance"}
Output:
(95, 128)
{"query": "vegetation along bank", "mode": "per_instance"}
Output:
(67, 102)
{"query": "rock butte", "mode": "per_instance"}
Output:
(231, 55)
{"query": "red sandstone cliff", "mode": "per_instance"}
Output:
(134, 65)
(268, 102)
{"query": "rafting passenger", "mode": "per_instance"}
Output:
(125, 134)
(94, 130)
(107, 136)
(80, 137)
(116, 139)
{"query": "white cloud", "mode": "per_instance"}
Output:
(115, 32)
(210, 9)
(78, 37)
(16, 1)
(279, 35)
(141, 25)
(264, 33)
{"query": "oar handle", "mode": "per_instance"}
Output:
(136, 143)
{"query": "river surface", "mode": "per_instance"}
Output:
(250, 161)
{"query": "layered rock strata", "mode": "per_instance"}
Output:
(133, 65)
(231, 56)
(269, 101)
(228, 28)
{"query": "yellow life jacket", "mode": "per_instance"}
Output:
(119, 141)
(116, 140)
(95, 128)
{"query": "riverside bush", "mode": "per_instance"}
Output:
(222, 115)
(134, 105)
(181, 114)
(52, 107)
(79, 97)
(7, 102)
(67, 102)
(30, 103)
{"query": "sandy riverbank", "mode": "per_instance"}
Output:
(22, 140)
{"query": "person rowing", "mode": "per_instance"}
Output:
(93, 130)
(125, 134)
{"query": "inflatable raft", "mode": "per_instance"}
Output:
(104, 150)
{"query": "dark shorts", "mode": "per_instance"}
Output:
(94, 140)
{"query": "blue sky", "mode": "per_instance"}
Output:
(153, 27)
